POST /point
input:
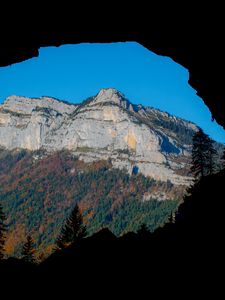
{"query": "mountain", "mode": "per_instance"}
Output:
(134, 137)
(124, 164)
(38, 194)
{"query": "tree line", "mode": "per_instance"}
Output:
(204, 155)
(72, 232)
(204, 163)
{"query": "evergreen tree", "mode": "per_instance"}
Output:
(211, 157)
(73, 230)
(2, 232)
(223, 159)
(203, 155)
(28, 250)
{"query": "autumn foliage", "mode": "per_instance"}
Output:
(38, 191)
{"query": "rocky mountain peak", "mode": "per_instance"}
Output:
(101, 127)
(111, 95)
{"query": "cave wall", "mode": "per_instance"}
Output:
(195, 43)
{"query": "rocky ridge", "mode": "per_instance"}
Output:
(107, 126)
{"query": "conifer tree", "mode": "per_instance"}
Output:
(223, 159)
(73, 230)
(211, 157)
(2, 232)
(28, 250)
(203, 155)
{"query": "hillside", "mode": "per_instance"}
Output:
(124, 164)
(102, 127)
(38, 194)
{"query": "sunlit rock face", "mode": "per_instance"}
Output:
(106, 126)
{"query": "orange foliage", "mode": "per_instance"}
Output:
(88, 216)
(13, 238)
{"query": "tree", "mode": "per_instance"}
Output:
(203, 155)
(211, 157)
(28, 250)
(73, 230)
(223, 158)
(2, 232)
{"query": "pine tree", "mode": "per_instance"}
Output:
(198, 154)
(223, 159)
(2, 232)
(72, 231)
(28, 250)
(211, 157)
(203, 155)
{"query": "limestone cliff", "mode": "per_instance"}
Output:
(105, 126)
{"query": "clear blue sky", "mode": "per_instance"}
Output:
(75, 72)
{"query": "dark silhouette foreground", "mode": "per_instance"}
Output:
(188, 253)
(73, 230)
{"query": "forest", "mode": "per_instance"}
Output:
(185, 253)
(37, 195)
(39, 192)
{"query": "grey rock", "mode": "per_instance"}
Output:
(108, 126)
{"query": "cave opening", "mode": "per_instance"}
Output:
(105, 85)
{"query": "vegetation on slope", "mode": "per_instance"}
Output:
(38, 194)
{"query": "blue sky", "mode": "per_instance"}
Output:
(75, 72)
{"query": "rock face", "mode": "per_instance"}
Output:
(106, 126)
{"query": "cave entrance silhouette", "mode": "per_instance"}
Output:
(166, 143)
(192, 41)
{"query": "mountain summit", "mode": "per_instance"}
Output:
(109, 95)
(113, 96)
(106, 126)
